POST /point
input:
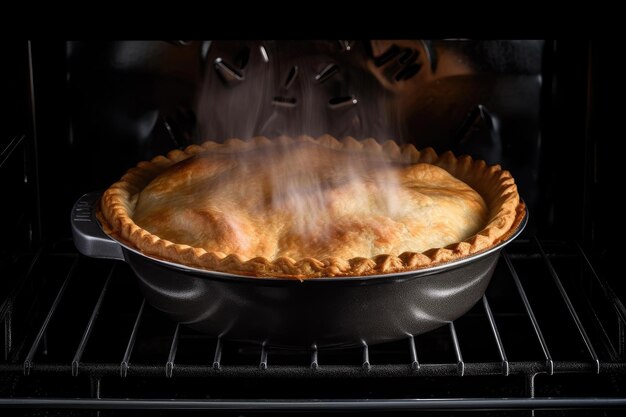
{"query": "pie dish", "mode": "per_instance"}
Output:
(303, 207)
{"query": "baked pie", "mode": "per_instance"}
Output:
(303, 208)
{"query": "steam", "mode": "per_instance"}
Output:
(313, 186)
(293, 94)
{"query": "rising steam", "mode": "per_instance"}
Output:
(284, 92)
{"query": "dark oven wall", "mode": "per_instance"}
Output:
(18, 160)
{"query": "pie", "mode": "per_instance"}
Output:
(304, 208)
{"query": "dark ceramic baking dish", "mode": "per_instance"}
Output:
(326, 312)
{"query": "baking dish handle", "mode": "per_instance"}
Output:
(88, 236)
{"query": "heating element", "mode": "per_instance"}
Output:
(549, 334)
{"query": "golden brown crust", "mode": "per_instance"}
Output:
(505, 211)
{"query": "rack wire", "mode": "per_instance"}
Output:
(89, 309)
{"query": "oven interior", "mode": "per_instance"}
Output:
(547, 338)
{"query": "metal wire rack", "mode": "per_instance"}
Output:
(546, 316)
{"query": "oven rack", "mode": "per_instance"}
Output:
(547, 320)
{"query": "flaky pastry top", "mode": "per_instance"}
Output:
(304, 207)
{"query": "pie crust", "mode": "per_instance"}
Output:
(214, 226)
